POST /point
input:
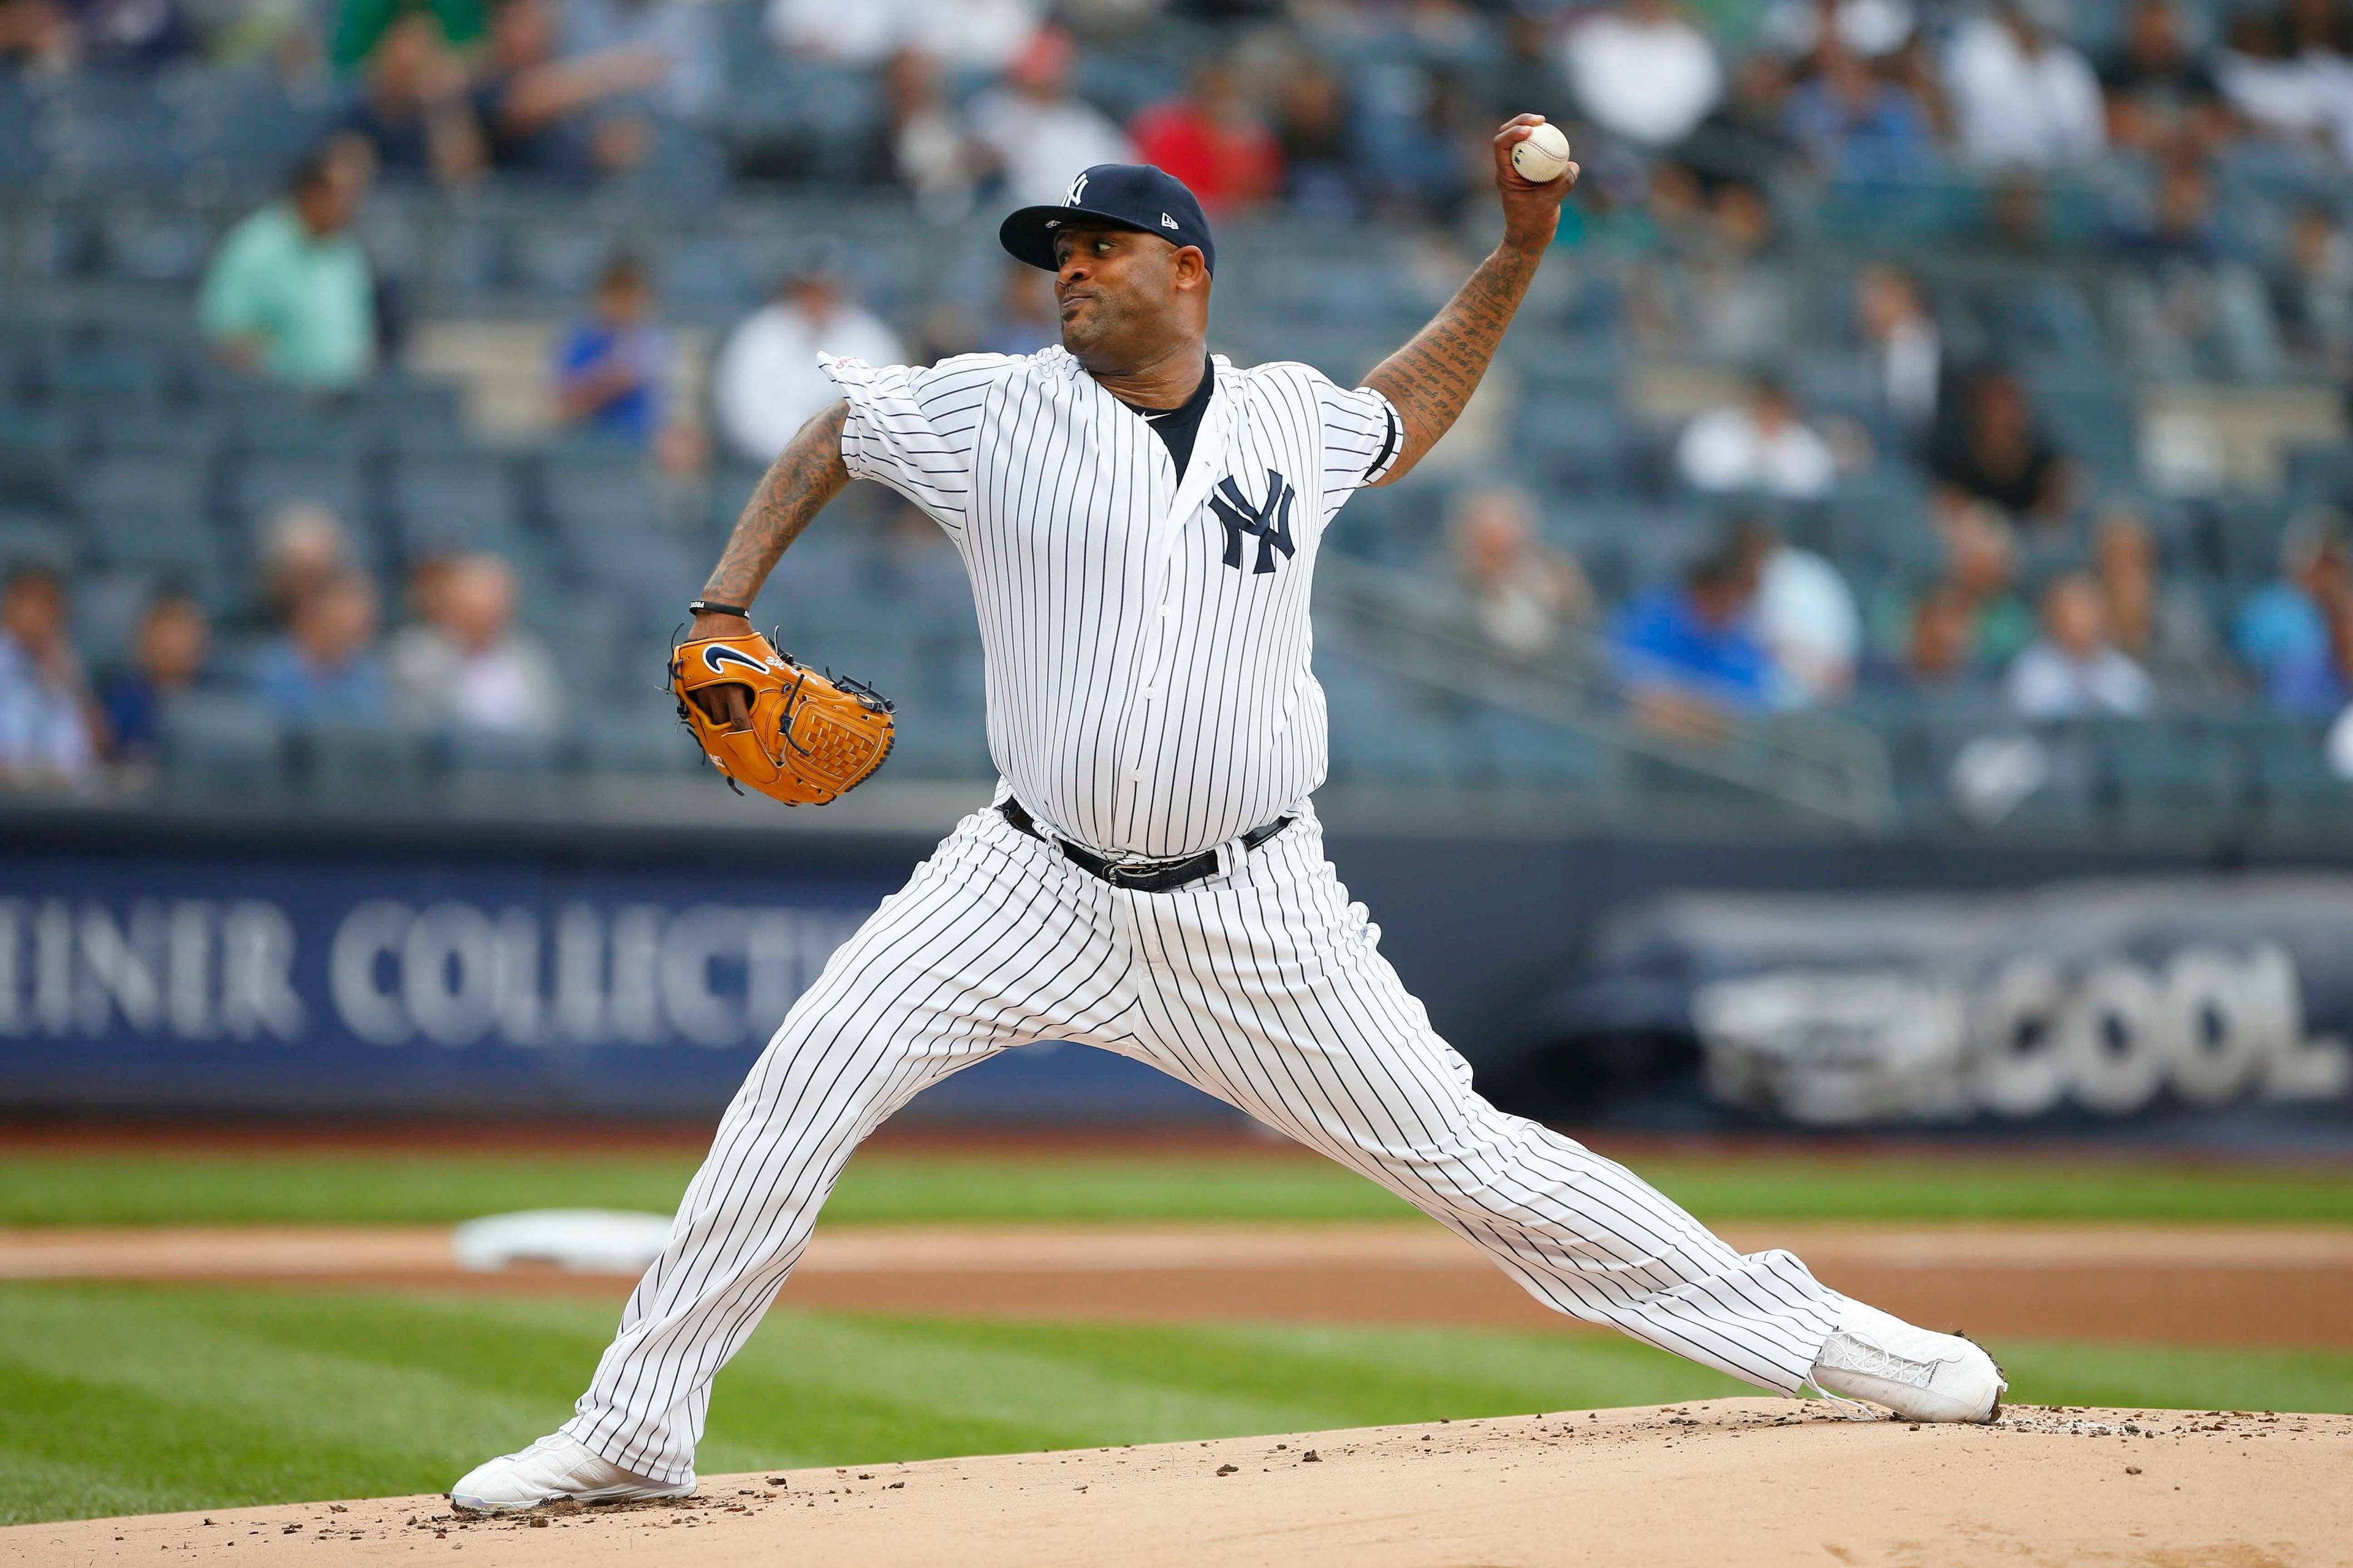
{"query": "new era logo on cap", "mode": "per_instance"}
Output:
(1124, 196)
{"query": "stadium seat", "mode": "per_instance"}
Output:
(400, 413)
(346, 761)
(1575, 442)
(652, 576)
(106, 610)
(454, 500)
(245, 118)
(559, 261)
(2321, 472)
(2056, 768)
(1574, 368)
(939, 742)
(23, 157)
(145, 508)
(496, 754)
(97, 372)
(193, 432)
(592, 634)
(1386, 729)
(36, 446)
(2167, 775)
(2098, 427)
(2299, 794)
(713, 275)
(224, 743)
(597, 498)
(889, 664)
(1518, 750)
(28, 534)
(154, 243)
(1401, 525)
(109, 130)
(1881, 519)
(641, 736)
(261, 482)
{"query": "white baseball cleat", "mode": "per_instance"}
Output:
(1919, 1375)
(551, 1470)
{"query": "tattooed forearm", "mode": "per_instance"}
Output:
(795, 487)
(1434, 375)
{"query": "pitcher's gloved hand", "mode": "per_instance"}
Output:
(775, 726)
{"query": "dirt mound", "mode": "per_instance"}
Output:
(1739, 1480)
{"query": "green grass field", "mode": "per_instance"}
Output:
(433, 1186)
(133, 1398)
(128, 1399)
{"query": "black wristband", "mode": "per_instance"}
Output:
(705, 607)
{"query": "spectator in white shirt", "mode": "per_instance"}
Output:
(680, 30)
(47, 736)
(1870, 28)
(1522, 591)
(2072, 671)
(2290, 75)
(767, 383)
(1905, 349)
(862, 35)
(1759, 444)
(468, 668)
(1810, 624)
(2022, 95)
(979, 35)
(1641, 71)
(1040, 135)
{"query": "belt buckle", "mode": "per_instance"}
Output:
(1126, 874)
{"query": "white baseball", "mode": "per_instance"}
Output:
(1542, 156)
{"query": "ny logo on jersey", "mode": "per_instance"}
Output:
(1269, 524)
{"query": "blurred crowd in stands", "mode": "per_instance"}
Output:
(2189, 166)
(315, 655)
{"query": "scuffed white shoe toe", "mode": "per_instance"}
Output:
(555, 1470)
(1919, 1374)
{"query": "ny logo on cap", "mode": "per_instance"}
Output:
(1077, 189)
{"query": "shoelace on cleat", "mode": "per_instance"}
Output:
(1845, 1353)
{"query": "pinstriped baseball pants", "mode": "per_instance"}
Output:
(1263, 985)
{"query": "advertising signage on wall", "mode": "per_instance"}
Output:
(388, 972)
(2105, 999)
(262, 985)
(234, 984)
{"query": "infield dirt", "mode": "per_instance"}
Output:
(1728, 1481)
(2185, 1285)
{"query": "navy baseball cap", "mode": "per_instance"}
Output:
(1125, 195)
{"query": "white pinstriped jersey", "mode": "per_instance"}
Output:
(1145, 632)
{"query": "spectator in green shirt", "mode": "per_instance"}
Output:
(288, 293)
(359, 23)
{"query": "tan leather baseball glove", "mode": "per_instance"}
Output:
(801, 738)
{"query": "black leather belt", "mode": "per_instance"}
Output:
(1137, 876)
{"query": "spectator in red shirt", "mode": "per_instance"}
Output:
(1214, 141)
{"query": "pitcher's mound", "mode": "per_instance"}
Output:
(1724, 1481)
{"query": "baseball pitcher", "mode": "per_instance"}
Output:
(1141, 521)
